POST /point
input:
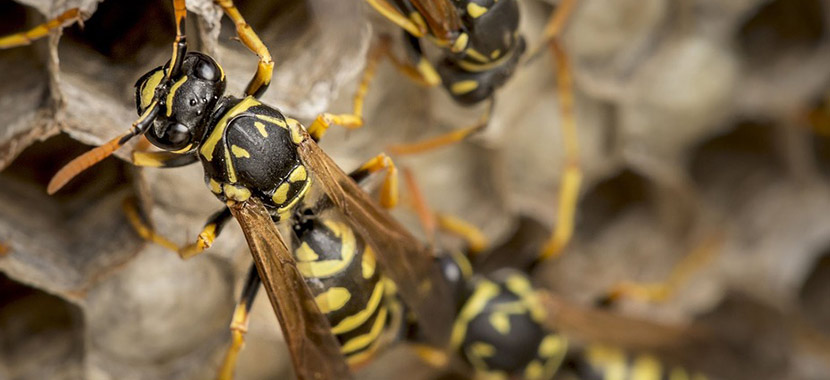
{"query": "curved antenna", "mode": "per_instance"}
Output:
(96, 155)
(180, 44)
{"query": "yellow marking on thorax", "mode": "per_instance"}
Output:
(281, 194)
(218, 131)
(305, 253)
(610, 360)
(149, 89)
(214, 186)
(479, 67)
(273, 120)
(461, 42)
(475, 10)
(332, 299)
(364, 340)
(485, 291)
(553, 345)
(261, 128)
(229, 167)
(172, 94)
(646, 367)
(239, 152)
(295, 128)
(369, 263)
(300, 194)
(239, 194)
(327, 268)
(482, 350)
(463, 87)
(534, 371)
(358, 319)
(298, 174)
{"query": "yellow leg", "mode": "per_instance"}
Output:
(372, 60)
(445, 139)
(571, 173)
(680, 275)
(239, 325)
(430, 355)
(425, 215)
(205, 239)
(389, 189)
(417, 29)
(476, 241)
(325, 120)
(259, 83)
(42, 30)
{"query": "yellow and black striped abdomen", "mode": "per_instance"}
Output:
(601, 362)
(500, 330)
(341, 271)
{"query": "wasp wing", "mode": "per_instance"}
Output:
(401, 256)
(441, 17)
(314, 350)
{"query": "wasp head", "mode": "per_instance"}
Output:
(185, 101)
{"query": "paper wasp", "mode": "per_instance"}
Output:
(262, 165)
(481, 48)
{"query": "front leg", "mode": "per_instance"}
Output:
(205, 239)
(265, 69)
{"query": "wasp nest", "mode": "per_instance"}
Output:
(694, 127)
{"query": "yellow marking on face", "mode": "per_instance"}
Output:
(358, 319)
(295, 128)
(239, 152)
(678, 374)
(281, 194)
(327, 268)
(369, 263)
(484, 292)
(273, 120)
(209, 147)
(305, 253)
(298, 174)
(364, 340)
(495, 54)
(172, 94)
(183, 150)
(261, 128)
(500, 322)
(534, 371)
(149, 89)
(611, 360)
(239, 194)
(646, 367)
(461, 42)
(146, 159)
(428, 72)
(332, 299)
(482, 350)
(300, 194)
(475, 10)
(214, 186)
(463, 87)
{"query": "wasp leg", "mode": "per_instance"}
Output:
(420, 70)
(413, 24)
(163, 159)
(239, 324)
(571, 174)
(662, 291)
(325, 120)
(265, 69)
(475, 239)
(205, 239)
(445, 139)
(432, 356)
(24, 38)
(389, 189)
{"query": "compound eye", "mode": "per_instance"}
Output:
(176, 136)
(206, 70)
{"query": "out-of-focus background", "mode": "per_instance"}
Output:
(698, 120)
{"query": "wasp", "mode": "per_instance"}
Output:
(507, 328)
(262, 164)
(481, 48)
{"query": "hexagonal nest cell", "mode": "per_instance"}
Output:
(697, 121)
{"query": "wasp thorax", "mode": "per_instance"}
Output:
(185, 100)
